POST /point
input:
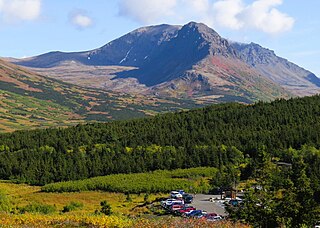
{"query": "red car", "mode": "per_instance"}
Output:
(176, 207)
(211, 215)
(186, 209)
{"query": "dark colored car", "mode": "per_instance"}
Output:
(195, 213)
(235, 202)
(187, 198)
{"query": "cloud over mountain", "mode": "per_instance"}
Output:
(261, 15)
(146, 11)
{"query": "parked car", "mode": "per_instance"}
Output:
(214, 218)
(170, 202)
(195, 213)
(176, 195)
(211, 215)
(173, 194)
(317, 225)
(176, 207)
(235, 202)
(186, 209)
(187, 198)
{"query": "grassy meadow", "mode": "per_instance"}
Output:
(134, 212)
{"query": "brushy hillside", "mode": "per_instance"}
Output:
(29, 100)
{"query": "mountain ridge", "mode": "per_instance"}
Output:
(189, 61)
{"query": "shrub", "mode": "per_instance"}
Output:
(105, 208)
(128, 197)
(146, 198)
(72, 207)
(38, 208)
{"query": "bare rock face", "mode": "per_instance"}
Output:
(185, 61)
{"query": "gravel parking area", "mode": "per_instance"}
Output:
(202, 202)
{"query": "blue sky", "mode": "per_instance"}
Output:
(30, 27)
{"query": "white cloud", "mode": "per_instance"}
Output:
(261, 15)
(81, 20)
(200, 6)
(20, 10)
(147, 11)
(225, 13)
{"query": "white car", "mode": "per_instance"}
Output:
(175, 194)
(169, 202)
(214, 218)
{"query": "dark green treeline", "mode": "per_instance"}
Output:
(174, 140)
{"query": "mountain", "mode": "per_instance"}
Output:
(128, 50)
(30, 100)
(287, 74)
(190, 61)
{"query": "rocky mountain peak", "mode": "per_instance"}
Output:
(201, 35)
(254, 54)
(201, 30)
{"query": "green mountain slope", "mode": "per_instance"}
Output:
(31, 100)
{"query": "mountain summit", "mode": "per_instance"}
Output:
(184, 61)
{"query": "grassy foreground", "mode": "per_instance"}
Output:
(33, 220)
(21, 195)
(126, 213)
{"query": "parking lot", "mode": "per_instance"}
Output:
(202, 202)
(195, 206)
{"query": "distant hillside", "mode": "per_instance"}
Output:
(191, 61)
(29, 100)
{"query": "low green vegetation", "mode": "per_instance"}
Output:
(72, 206)
(194, 179)
(37, 208)
(5, 202)
(105, 208)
